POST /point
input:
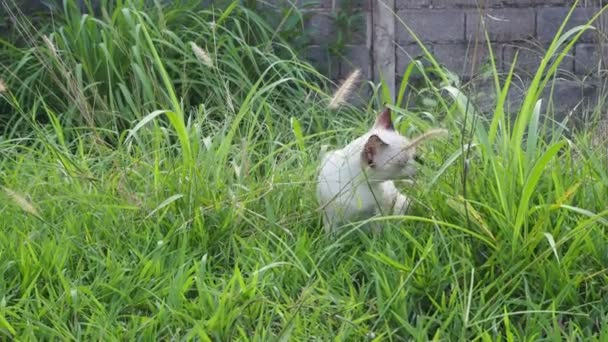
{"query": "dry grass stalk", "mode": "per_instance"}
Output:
(49, 44)
(345, 89)
(202, 55)
(71, 87)
(3, 87)
(427, 135)
(229, 101)
(599, 137)
(21, 202)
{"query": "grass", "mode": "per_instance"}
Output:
(148, 194)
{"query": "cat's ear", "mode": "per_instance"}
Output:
(371, 148)
(384, 120)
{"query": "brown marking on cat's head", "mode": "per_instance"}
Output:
(388, 154)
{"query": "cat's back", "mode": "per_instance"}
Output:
(334, 165)
(336, 174)
(329, 170)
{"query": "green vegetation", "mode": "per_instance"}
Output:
(158, 170)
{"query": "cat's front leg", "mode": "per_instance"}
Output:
(334, 218)
(394, 202)
(402, 204)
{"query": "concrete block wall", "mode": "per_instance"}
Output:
(321, 24)
(449, 29)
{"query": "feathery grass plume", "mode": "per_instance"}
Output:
(427, 135)
(229, 100)
(3, 87)
(50, 45)
(345, 89)
(21, 202)
(202, 55)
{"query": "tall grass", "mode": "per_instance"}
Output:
(153, 193)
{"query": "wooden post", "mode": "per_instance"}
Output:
(383, 38)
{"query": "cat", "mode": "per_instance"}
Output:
(356, 182)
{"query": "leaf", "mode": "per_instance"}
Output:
(459, 206)
(587, 213)
(387, 97)
(7, 325)
(568, 194)
(552, 244)
(297, 131)
(451, 160)
(383, 258)
(532, 182)
(227, 12)
(142, 123)
(533, 132)
(165, 203)
(405, 80)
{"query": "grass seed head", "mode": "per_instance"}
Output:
(21, 202)
(49, 44)
(345, 89)
(201, 55)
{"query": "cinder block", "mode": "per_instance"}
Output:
(406, 54)
(515, 96)
(329, 4)
(461, 58)
(503, 25)
(587, 3)
(404, 4)
(465, 3)
(321, 59)
(530, 3)
(549, 20)
(482, 93)
(356, 56)
(554, 2)
(303, 3)
(358, 28)
(589, 58)
(431, 25)
(322, 27)
(529, 58)
(286, 3)
(361, 4)
(567, 95)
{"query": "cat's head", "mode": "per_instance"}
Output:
(388, 154)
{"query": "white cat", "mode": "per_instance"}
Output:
(356, 182)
